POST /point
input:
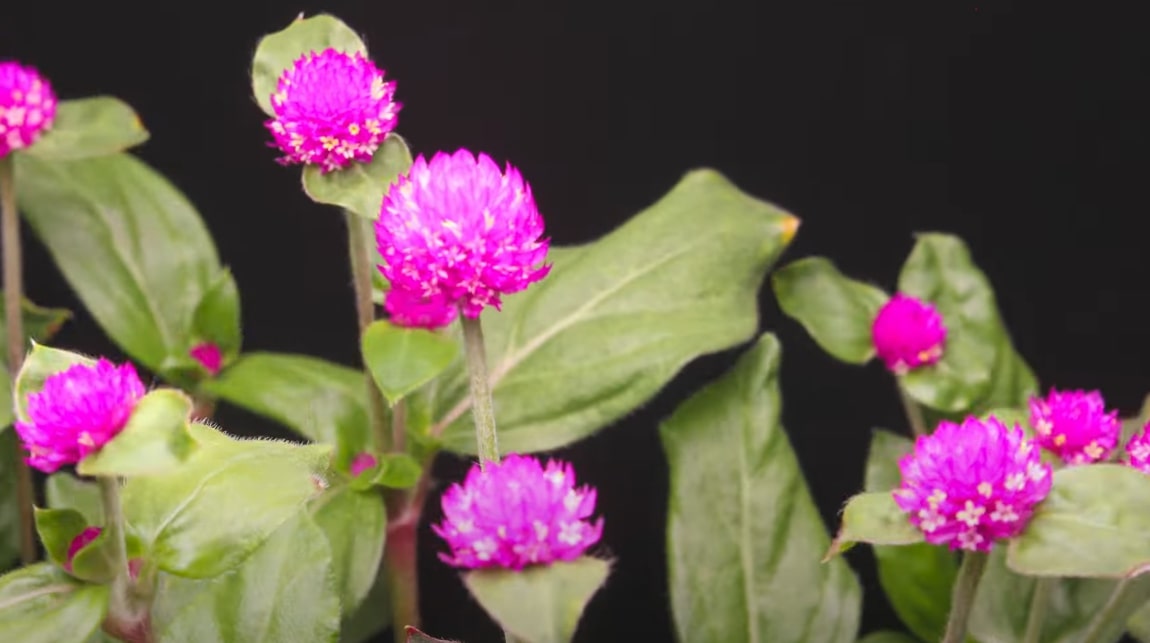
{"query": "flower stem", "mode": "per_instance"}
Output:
(962, 599)
(482, 408)
(358, 237)
(913, 411)
(1106, 614)
(1037, 616)
(115, 533)
(14, 329)
(402, 572)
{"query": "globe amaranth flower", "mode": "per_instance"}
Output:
(908, 333)
(79, 542)
(968, 485)
(77, 411)
(1138, 450)
(209, 356)
(457, 232)
(517, 513)
(1075, 426)
(27, 106)
(332, 108)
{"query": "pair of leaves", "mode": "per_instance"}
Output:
(137, 254)
(743, 533)
(979, 369)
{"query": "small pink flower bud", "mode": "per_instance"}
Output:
(209, 356)
(362, 462)
(908, 333)
(79, 542)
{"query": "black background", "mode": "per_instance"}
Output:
(1022, 129)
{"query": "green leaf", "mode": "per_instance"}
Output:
(1093, 524)
(837, 311)
(207, 516)
(322, 401)
(979, 368)
(66, 491)
(355, 526)
(888, 636)
(9, 504)
(415, 636)
(539, 604)
(42, 604)
(128, 242)
(917, 579)
(282, 592)
(873, 518)
(372, 617)
(90, 127)
(398, 471)
(217, 317)
(57, 529)
(677, 281)
(155, 440)
(39, 364)
(743, 533)
(403, 359)
(360, 186)
(40, 324)
(1139, 624)
(277, 51)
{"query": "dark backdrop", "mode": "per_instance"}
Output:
(1023, 130)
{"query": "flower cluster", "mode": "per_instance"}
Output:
(967, 485)
(1138, 450)
(517, 513)
(1075, 426)
(332, 108)
(27, 106)
(456, 232)
(78, 410)
(908, 333)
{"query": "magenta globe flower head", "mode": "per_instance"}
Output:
(332, 108)
(457, 232)
(968, 485)
(78, 410)
(1138, 450)
(517, 513)
(1075, 426)
(27, 106)
(908, 333)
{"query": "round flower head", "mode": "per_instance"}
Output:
(457, 232)
(517, 513)
(27, 106)
(332, 108)
(209, 356)
(79, 542)
(1075, 426)
(77, 411)
(1138, 450)
(908, 333)
(967, 485)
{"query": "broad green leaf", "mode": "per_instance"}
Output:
(217, 317)
(979, 368)
(917, 579)
(66, 491)
(1139, 625)
(677, 281)
(9, 505)
(372, 617)
(128, 242)
(888, 636)
(282, 592)
(322, 401)
(155, 440)
(398, 471)
(1094, 523)
(42, 604)
(873, 518)
(1003, 602)
(403, 359)
(836, 310)
(415, 636)
(57, 529)
(208, 515)
(355, 526)
(90, 127)
(743, 534)
(40, 324)
(360, 186)
(539, 604)
(277, 51)
(41, 363)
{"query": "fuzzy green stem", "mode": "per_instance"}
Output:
(1037, 616)
(358, 237)
(913, 411)
(1106, 614)
(14, 341)
(115, 533)
(962, 598)
(482, 408)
